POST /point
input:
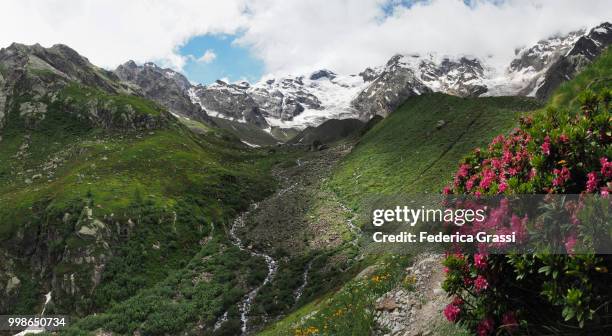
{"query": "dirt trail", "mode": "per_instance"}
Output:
(417, 310)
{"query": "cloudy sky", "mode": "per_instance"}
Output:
(245, 39)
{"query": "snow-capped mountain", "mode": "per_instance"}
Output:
(164, 86)
(527, 71)
(308, 100)
(408, 75)
(288, 102)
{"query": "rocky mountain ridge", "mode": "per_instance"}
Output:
(164, 86)
(308, 100)
(35, 80)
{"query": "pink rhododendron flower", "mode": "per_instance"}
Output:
(480, 261)
(461, 173)
(532, 173)
(606, 167)
(562, 176)
(604, 191)
(519, 227)
(563, 138)
(507, 157)
(502, 187)
(497, 140)
(463, 170)
(570, 244)
(480, 283)
(546, 146)
(497, 164)
(446, 190)
(591, 182)
(485, 327)
(488, 176)
(451, 312)
(457, 301)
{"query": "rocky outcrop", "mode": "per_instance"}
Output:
(405, 76)
(232, 99)
(286, 102)
(167, 87)
(415, 307)
(34, 81)
(286, 98)
(54, 64)
(392, 87)
(582, 52)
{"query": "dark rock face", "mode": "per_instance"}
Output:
(321, 74)
(286, 98)
(461, 77)
(369, 74)
(164, 86)
(582, 53)
(230, 101)
(539, 56)
(59, 60)
(392, 87)
(33, 78)
(408, 75)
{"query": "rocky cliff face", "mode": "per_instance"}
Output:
(164, 86)
(409, 75)
(35, 81)
(583, 51)
(232, 99)
(286, 102)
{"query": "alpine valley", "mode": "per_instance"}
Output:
(139, 203)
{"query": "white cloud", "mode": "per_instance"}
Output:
(208, 56)
(348, 36)
(111, 32)
(290, 35)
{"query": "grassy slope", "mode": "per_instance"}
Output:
(149, 178)
(403, 153)
(406, 153)
(373, 167)
(595, 77)
(247, 132)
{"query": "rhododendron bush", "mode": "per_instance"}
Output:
(565, 287)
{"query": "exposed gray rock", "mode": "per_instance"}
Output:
(229, 101)
(42, 75)
(164, 86)
(12, 284)
(284, 99)
(322, 73)
(581, 54)
(394, 85)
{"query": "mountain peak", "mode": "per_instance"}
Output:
(323, 73)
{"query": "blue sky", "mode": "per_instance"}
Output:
(229, 61)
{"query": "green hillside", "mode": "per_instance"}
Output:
(411, 152)
(416, 148)
(147, 203)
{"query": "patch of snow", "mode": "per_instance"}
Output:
(249, 144)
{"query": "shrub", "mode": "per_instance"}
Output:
(558, 151)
